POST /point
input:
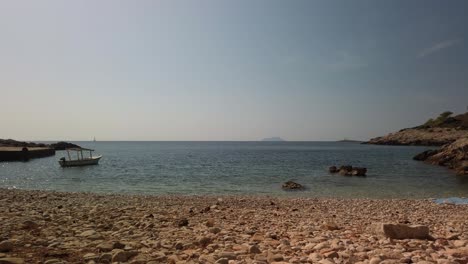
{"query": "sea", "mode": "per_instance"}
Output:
(240, 168)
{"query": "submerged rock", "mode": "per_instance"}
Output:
(290, 185)
(348, 170)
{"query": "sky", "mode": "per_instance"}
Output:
(228, 70)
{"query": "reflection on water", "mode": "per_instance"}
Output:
(254, 168)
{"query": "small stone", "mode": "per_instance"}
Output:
(105, 258)
(375, 260)
(254, 249)
(228, 255)
(90, 256)
(275, 257)
(88, 233)
(326, 261)
(331, 254)
(215, 230)
(11, 261)
(179, 245)
(53, 261)
(105, 246)
(122, 256)
(182, 222)
(28, 224)
(331, 226)
(460, 243)
(6, 246)
(222, 261)
(210, 223)
(204, 241)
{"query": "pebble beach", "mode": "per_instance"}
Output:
(56, 227)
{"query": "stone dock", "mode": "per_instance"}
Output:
(24, 153)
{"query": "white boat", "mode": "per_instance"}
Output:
(81, 160)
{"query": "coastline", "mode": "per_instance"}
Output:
(97, 228)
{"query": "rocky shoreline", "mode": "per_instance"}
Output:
(52, 227)
(440, 131)
(420, 137)
(453, 156)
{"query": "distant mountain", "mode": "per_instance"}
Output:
(273, 139)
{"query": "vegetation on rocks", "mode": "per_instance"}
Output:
(442, 130)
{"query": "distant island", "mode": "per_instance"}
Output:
(349, 141)
(273, 139)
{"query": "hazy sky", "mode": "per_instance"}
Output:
(228, 70)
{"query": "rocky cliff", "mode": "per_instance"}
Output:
(453, 156)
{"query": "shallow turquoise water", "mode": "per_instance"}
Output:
(254, 168)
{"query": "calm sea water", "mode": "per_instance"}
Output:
(253, 168)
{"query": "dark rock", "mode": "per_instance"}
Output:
(349, 170)
(425, 154)
(333, 169)
(63, 145)
(290, 185)
(182, 222)
(453, 156)
(359, 171)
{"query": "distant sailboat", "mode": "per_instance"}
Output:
(94, 140)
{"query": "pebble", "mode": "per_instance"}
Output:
(6, 246)
(239, 230)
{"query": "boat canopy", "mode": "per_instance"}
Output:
(80, 149)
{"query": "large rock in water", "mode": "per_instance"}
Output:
(348, 170)
(290, 185)
(401, 231)
(453, 156)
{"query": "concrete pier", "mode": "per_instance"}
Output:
(24, 153)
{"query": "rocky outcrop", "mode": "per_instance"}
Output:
(290, 185)
(63, 145)
(15, 143)
(348, 170)
(435, 132)
(425, 154)
(453, 156)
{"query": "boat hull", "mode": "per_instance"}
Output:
(82, 162)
